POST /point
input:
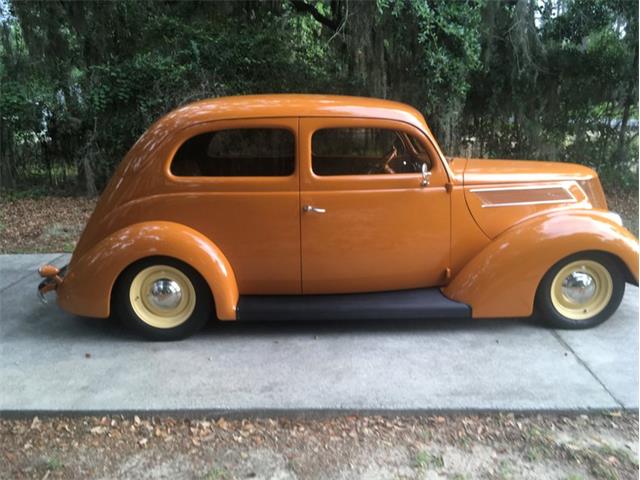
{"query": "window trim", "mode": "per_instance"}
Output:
(403, 136)
(291, 160)
(232, 183)
(309, 181)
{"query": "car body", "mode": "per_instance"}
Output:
(314, 205)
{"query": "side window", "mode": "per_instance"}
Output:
(246, 152)
(365, 151)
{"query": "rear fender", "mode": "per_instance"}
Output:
(86, 289)
(501, 281)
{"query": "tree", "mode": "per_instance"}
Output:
(80, 81)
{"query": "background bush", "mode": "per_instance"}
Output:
(80, 81)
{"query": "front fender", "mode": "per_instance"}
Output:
(86, 289)
(501, 281)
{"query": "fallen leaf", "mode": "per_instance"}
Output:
(222, 423)
(35, 424)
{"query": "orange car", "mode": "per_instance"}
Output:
(313, 206)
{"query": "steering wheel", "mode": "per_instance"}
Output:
(390, 157)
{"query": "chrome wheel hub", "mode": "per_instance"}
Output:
(579, 287)
(165, 294)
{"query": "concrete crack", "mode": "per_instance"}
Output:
(584, 364)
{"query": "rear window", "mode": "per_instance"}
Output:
(247, 152)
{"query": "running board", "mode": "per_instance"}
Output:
(396, 305)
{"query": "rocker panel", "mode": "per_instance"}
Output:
(420, 303)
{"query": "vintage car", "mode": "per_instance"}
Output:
(313, 206)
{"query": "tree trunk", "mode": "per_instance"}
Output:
(628, 100)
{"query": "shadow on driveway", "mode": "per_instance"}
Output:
(81, 328)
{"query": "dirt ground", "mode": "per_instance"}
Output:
(53, 224)
(626, 204)
(500, 446)
(44, 224)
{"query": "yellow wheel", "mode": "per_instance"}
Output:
(162, 298)
(581, 291)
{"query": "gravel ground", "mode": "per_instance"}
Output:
(500, 446)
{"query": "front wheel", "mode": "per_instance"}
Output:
(581, 291)
(162, 298)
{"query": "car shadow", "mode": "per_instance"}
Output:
(337, 326)
(66, 326)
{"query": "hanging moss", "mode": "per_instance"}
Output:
(80, 81)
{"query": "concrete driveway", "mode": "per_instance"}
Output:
(52, 362)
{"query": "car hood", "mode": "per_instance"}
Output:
(480, 171)
(502, 193)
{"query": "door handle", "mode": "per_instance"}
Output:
(312, 209)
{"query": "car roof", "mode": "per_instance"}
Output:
(269, 106)
(290, 105)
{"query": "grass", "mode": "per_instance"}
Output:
(604, 472)
(600, 460)
(539, 445)
(618, 453)
(425, 460)
(54, 463)
(505, 470)
(217, 473)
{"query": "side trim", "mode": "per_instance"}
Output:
(492, 197)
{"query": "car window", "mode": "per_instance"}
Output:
(365, 151)
(243, 152)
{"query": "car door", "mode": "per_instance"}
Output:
(236, 181)
(367, 223)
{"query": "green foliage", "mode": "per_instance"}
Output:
(570, 94)
(80, 81)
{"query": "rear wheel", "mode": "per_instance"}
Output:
(162, 298)
(581, 291)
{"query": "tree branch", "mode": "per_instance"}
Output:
(303, 7)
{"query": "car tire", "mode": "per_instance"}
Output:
(580, 291)
(162, 298)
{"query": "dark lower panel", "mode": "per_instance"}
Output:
(401, 304)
